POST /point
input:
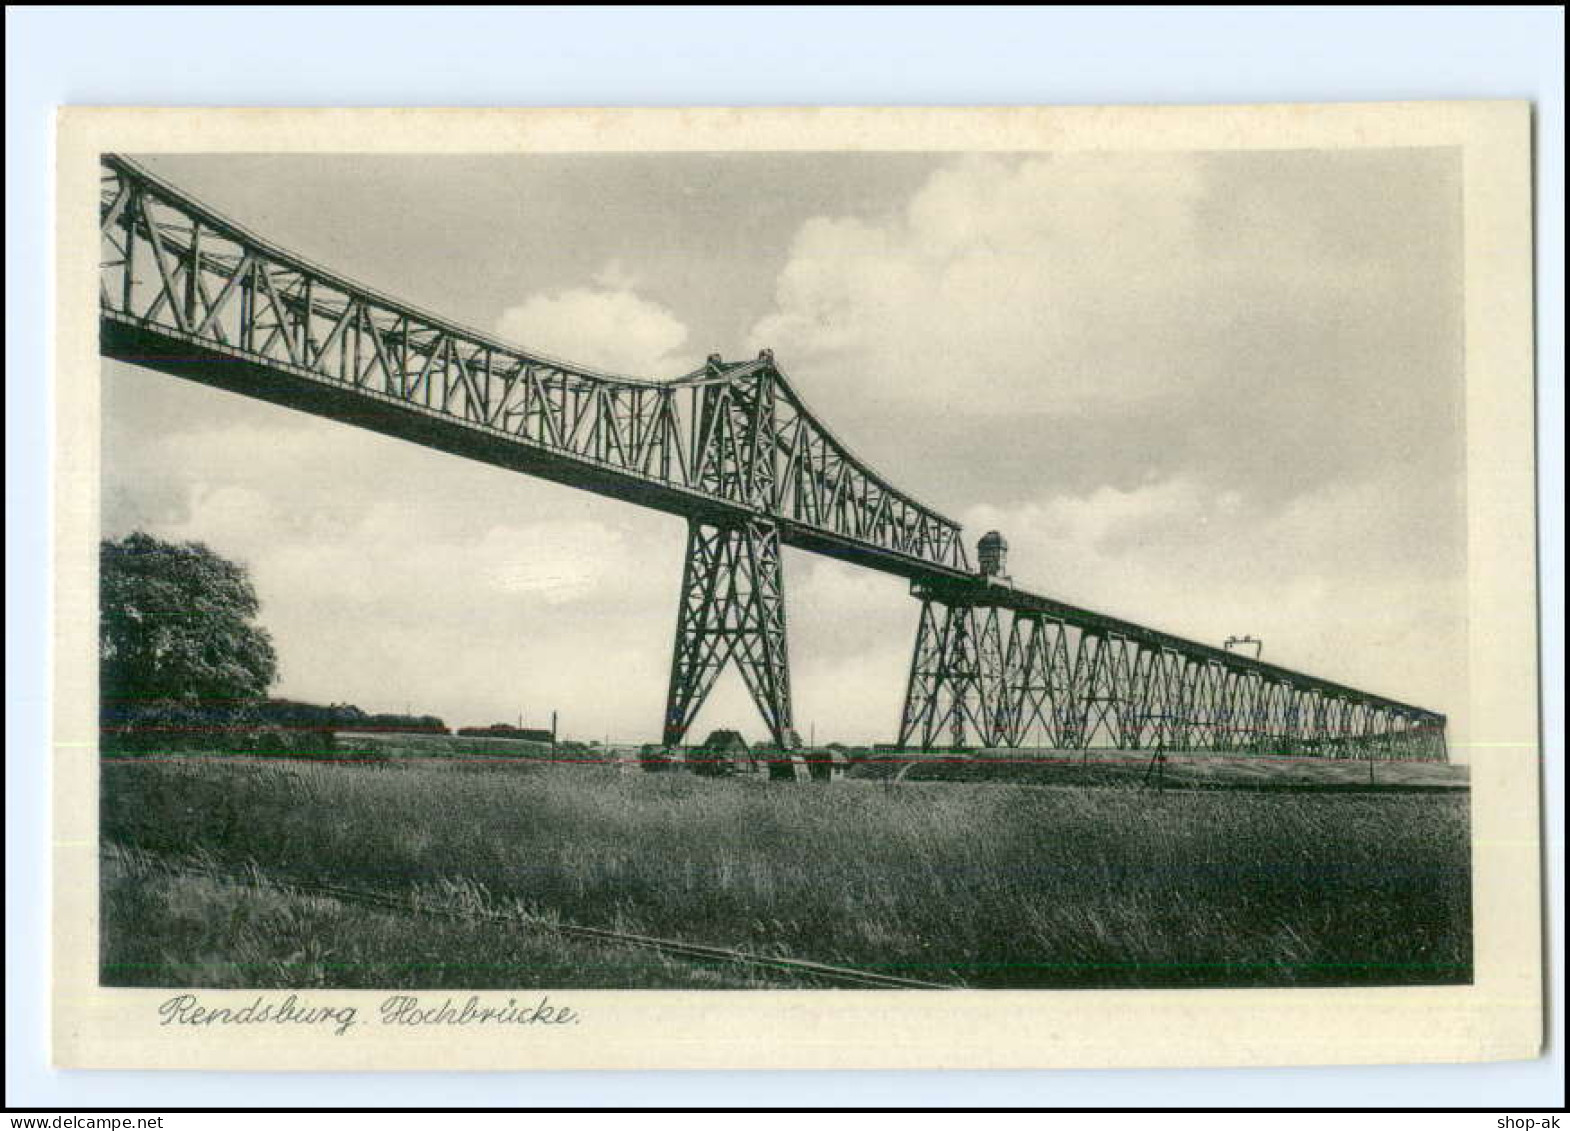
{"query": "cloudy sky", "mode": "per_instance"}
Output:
(1215, 393)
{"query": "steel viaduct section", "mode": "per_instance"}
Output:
(733, 449)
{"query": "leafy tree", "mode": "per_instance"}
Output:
(176, 622)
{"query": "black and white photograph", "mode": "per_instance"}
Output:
(783, 570)
(869, 588)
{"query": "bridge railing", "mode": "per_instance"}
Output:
(736, 434)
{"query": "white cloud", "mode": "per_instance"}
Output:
(1002, 278)
(458, 621)
(560, 562)
(607, 326)
(1210, 395)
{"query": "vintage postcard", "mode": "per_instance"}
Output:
(881, 588)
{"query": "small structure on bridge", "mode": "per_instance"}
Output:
(1236, 642)
(993, 553)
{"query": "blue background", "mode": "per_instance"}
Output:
(734, 56)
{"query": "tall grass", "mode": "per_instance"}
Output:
(977, 885)
(167, 927)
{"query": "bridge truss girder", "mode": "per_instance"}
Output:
(188, 291)
(982, 675)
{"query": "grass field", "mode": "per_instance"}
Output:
(172, 928)
(982, 885)
(1185, 770)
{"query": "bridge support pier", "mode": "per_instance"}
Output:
(732, 608)
(957, 683)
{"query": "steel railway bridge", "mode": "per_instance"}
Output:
(733, 449)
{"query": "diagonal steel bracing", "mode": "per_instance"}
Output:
(984, 675)
(958, 687)
(187, 291)
(732, 610)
